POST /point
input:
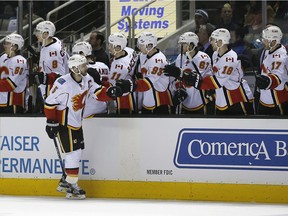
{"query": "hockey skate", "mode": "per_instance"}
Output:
(75, 192)
(62, 186)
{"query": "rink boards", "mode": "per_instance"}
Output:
(241, 160)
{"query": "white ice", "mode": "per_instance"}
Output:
(44, 206)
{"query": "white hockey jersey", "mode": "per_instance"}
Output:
(196, 98)
(53, 58)
(275, 66)
(93, 106)
(13, 75)
(226, 80)
(155, 84)
(67, 99)
(123, 68)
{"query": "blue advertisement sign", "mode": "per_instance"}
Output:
(232, 149)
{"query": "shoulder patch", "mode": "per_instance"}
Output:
(61, 81)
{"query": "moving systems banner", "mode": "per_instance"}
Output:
(252, 151)
(158, 17)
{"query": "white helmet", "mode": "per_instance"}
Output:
(46, 26)
(147, 38)
(76, 61)
(221, 34)
(272, 33)
(82, 47)
(15, 39)
(118, 39)
(189, 37)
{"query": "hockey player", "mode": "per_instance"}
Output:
(13, 76)
(63, 109)
(99, 71)
(154, 85)
(53, 57)
(122, 67)
(274, 74)
(193, 100)
(230, 93)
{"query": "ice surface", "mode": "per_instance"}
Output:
(44, 206)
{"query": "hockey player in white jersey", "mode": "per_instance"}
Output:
(122, 67)
(230, 94)
(154, 85)
(13, 76)
(193, 100)
(99, 71)
(274, 74)
(53, 57)
(63, 109)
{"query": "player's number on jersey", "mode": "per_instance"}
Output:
(54, 64)
(276, 65)
(18, 70)
(115, 76)
(156, 70)
(227, 70)
(203, 65)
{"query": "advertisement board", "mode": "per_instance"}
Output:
(221, 159)
(159, 17)
(152, 149)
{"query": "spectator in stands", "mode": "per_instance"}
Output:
(227, 20)
(201, 18)
(253, 17)
(204, 43)
(241, 47)
(96, 40)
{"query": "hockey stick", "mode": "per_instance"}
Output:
(59, 157)
(33, 60)
(180, 79)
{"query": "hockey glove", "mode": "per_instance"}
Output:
(179, 96)
(192, 79)
(114, 92)
(172, 70)
(52, 128)
(139, 75)
(38, 78)
(95, 74)
(126, 85)
(210, 94)
(263, 82)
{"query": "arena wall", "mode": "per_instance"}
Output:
(227, 159)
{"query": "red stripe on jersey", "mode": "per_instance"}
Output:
(18, 99)
(107, 84)
(236, 96)
(142, 85)
(101, 94)
(51, 78)
(163, 98)
(50, 112)
(275, 80)
(72, 171)
(6, 85)
(125, 102)
(209, 82)
(280, 96)
(264, 69)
